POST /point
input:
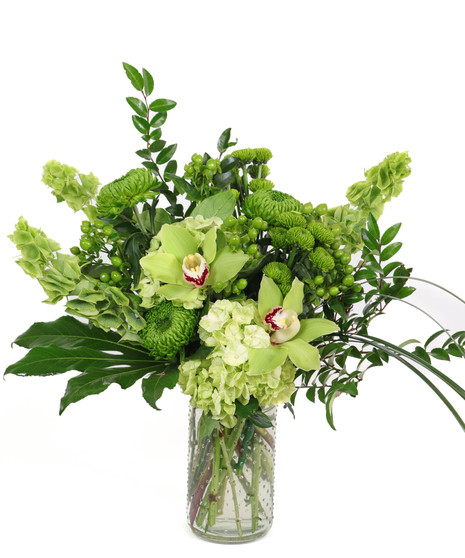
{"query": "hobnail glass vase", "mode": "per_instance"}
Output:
(230, 478)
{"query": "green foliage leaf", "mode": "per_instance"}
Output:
(311, 393)
(134, 76)
(137, 106)
(260, 419)
(148, 82)
(207, 425)
(166, 154)
(224, 179)
(157, 145)
(229, 163)
(369, 240)
(373, 228)
(245, 411)
(390, 251)
(220, 205)
(158, 120)
(141, 124)
(154, 385)
(223, 141)
(185, 187)
(162, 105)
(155, 135)
(390, 234)
(68, 344)
(440, 354)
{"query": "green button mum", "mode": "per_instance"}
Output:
(168, 328)
(127, 191)
(269, 204)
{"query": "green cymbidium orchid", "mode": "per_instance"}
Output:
(187, 266)
(291, 336)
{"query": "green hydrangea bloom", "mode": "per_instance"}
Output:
(127, 191)
(258, 171)
(321, 232)
(68, 185)
(269, 204)
(290, 219)
(322, 259)
(168, 328)
(300, 237)
(232, 328)
(260, 184)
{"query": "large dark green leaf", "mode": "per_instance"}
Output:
(148, 82)
(184, 187)
(153, 385)
(373, 228)
(137, 106)
(390, 251)
(158, 120)
(166, 154)
(223, 141)
(224, 179)
(390, 234)
(134, 76)
(141, 124)
(68, 344)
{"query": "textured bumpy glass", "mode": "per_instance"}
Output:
(230, 479)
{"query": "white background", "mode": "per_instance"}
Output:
(331, 88)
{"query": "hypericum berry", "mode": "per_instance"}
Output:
(85, 226)
(230, 222)
(335, 245)
(235, 241)
(104, 277)
(111, 283)
(241, 284)
(320, 292)
(75, 250)
(336, 230)
(348, 280)
(197, 159)
(253, 233)
(348, 269)
(259, 223)
(338, 254)
(245, 239)
(319, 280)
(242, 219)
(253, 249)
(116, 276)
(321, 209)
(357, 288)
(211, 164)
(86, 244)
(107, 229)
(220, 286)
(345, 259)
(308, 208)
(116, 261)
(333, 291)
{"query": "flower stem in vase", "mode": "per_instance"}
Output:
(256, 473)
(232, 483)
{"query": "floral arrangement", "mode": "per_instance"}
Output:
(215, 280)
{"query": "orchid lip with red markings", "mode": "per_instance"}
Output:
(195, 270)
(284, 323)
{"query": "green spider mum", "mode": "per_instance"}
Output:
(245, 156)
(260, 184)
(168, 328)
(262, 155)
(258, 171)
(301, 237)
(280, 274)
(279, 238)
(291, 219)
(321, 232)
(127, 191)
(269, 204)
(322, 259)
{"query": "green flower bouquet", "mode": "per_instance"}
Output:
(214, 280)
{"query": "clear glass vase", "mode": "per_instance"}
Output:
(230, 478)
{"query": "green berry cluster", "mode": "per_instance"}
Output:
(201, 170)
(242, 233)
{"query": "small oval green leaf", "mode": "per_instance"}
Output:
(162, 105)
(137, 106)
(390, 250)
(134, 76)
(390, 234)
(148, 82)
(166, 154)
(158, 120)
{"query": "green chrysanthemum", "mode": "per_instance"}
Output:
(245, 156)
(322, 259)
(280, 274)
(321, 232)
(127, 191)
(260, 184)
(262, 155)
(291, 219)
(258, 171)
(279, 238)
(269, 204)
(167, 329)
(301, 237)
